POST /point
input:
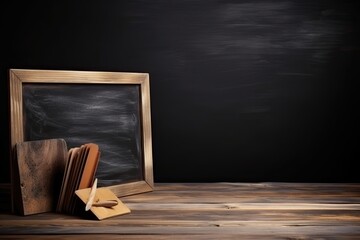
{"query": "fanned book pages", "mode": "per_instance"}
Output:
(79, 173)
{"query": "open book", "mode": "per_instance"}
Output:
(79, 173)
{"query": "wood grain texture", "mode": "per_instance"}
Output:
(212, 211)
(40, 167)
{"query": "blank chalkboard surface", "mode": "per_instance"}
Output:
(107, 115)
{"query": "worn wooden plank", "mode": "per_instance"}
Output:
(179, 237)
(255, 228)
(152, 216)
(79, 226)
(300, 211)
(253, 192)
(244, 206)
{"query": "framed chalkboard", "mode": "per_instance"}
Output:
(111, 109)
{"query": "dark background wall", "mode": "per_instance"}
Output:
(247, 90)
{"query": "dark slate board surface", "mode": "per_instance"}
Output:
(107, 115)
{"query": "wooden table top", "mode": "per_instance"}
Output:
(211, 211)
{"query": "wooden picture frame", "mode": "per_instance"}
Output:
(125, 97)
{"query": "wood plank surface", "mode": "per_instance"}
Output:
(211, 211)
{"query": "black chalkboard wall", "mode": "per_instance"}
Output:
(247, 90)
